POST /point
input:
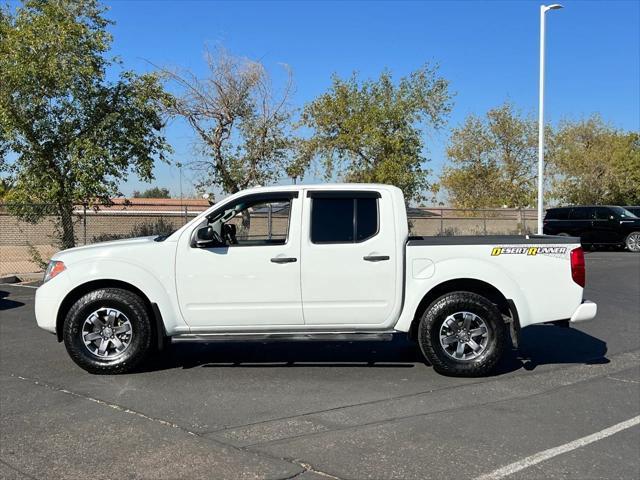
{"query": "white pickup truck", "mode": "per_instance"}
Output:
(330, 262)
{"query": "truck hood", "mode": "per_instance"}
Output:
(113, 247)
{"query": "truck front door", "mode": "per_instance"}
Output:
(254, 278)
(606, 226)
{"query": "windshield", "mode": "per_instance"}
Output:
(623, 212)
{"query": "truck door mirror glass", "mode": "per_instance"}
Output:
(207, 237)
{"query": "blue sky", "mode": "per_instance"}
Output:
(488, 51)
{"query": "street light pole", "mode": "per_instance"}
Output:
(179, 165)
(543, 10)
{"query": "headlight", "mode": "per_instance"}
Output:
(54, 268)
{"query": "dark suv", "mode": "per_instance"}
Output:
(595, 225)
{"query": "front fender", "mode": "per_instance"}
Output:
(158, 288)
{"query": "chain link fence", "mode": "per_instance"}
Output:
(26, 245)
(426, 221)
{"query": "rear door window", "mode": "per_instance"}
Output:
(332, 220)
(366, 218)
(343, 219)
(602, 213)
(558, 214)
(581, 213)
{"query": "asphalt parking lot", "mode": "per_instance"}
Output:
(565, 406)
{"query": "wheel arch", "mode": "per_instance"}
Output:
(506, 306)
(157, 323)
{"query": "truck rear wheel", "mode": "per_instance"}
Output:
(462, 334)
(108, 331)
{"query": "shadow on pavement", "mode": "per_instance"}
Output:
(397, 353)
(540, 345)
(5, 303)
(548, 344)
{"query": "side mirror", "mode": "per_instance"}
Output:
(205, 237)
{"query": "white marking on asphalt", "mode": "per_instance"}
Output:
(16, 285)
(309, 468)
(553, 452)
(623, 380)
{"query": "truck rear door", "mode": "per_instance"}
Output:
(348, 268)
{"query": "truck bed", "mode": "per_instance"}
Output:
(532, 271)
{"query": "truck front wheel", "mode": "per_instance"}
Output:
(462, 334)
(108, 331)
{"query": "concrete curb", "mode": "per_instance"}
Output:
(10, 279)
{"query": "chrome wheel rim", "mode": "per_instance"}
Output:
(107, 333)
(464, 336)
(633, 242)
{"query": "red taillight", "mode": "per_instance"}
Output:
(577, 266)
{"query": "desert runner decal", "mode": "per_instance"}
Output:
(531, 251)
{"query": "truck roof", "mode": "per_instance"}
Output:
(322, 186)
(584, 206)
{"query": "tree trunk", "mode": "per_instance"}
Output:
(246, 224)
(67, 237)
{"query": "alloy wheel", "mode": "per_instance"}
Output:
(464, 336)
(107, 333)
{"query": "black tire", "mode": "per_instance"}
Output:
(132, 307)
(454, 303)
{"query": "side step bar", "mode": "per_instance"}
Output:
(386, 335)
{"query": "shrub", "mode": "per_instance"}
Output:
(146, 229)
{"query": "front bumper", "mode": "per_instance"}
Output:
(46, 309)
(49, 297)
(586, 311)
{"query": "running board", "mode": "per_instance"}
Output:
(284, 337)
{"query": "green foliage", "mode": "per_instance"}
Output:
(75, 136)
(154, 192)
(492, 161)
(372, 131)
(594, 163)
(159, 226)
(36, 257)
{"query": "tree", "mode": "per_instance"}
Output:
(594, 163)
(154, 192)
(242, 125)
(5, 188)
(372, 130)
(492, 161)
(74, 135)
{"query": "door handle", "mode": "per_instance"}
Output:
(284, 259)
(375, 258)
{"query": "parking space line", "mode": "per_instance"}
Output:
(623, 380)
(555, 451)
